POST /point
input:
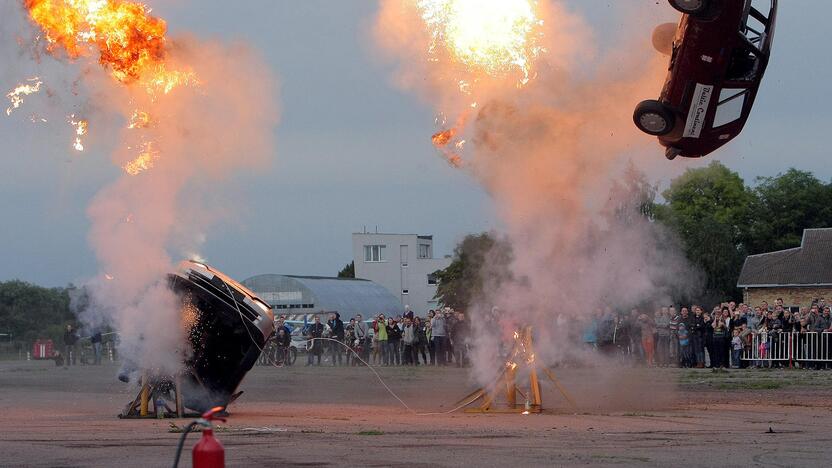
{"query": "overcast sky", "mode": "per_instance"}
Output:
(352, 149)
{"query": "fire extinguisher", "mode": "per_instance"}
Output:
(208, 452)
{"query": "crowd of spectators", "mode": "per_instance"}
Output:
(440, 338)
(730, 335)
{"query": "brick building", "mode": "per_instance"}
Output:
(799, 275)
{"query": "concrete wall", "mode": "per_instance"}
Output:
(792, 296)
(402, 269)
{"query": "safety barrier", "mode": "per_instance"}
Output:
(790, 347)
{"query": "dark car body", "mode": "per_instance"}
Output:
(228, 327)
(718, 60)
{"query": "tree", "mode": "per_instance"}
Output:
(30, 312)
(348, 271)
(709, 208)
(784, 206)
(474, 257)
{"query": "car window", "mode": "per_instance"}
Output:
(729, 109)
(743, 65)
(753, 26)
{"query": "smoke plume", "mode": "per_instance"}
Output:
(558, 157)
(184, 115)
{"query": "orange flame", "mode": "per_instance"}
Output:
(16, 95)
(442, 138)
(128, 40)
(144, 161)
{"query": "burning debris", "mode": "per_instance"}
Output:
(16, 95)
(80, 130)
(225, 327)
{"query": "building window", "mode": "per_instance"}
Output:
(405, 291)
(374, 253)
(433, 279)
(424, 250)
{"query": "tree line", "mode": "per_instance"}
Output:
(718, 218)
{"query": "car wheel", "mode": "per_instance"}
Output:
(691, 7)
(654, 118)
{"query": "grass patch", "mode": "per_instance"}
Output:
(638, 414)
(373, 432)
(751, 385)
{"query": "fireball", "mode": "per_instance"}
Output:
(496, 37)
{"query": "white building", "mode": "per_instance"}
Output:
(402, 263)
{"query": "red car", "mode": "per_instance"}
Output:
(717, 60)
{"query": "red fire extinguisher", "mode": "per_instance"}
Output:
(208, 452)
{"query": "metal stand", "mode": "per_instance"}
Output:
(506, 382)
(158, 392)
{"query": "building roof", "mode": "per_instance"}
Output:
(807, 265)
(343, 295)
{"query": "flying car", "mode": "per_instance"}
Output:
(718, 55)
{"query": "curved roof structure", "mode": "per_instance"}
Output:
(310, 294)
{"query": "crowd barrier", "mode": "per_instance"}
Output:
(790, 347)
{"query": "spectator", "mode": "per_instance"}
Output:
(662, 323)
(721, 343)
(438, 332)
(460, 335)
(685, 352)
(315, 346)
(673, 326)
(70, 350)
(380, 340)
(362, 337)
(422, 340)
(95, 339)
(696, 329)
(337, 332)
(646, 329)
(736, 349)
(394, 338)
(409, 357)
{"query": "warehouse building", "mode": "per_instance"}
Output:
(299, 296)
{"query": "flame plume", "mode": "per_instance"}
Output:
(492, 36)
(128, 40)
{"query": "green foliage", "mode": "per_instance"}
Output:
(786, 205)
(479, 259)
(348, 271)
(30, 312)
(710, 208)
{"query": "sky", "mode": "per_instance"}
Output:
(353, 151)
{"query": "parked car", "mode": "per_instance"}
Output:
(718, 57)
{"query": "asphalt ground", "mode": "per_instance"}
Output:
(342, 416)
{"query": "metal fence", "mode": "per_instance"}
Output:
(790, 347)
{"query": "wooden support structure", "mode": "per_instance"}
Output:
(521, 361)
(159, 391)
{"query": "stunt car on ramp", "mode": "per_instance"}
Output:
(718, 56)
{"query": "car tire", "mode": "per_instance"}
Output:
(690, 7)
(654, 118)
